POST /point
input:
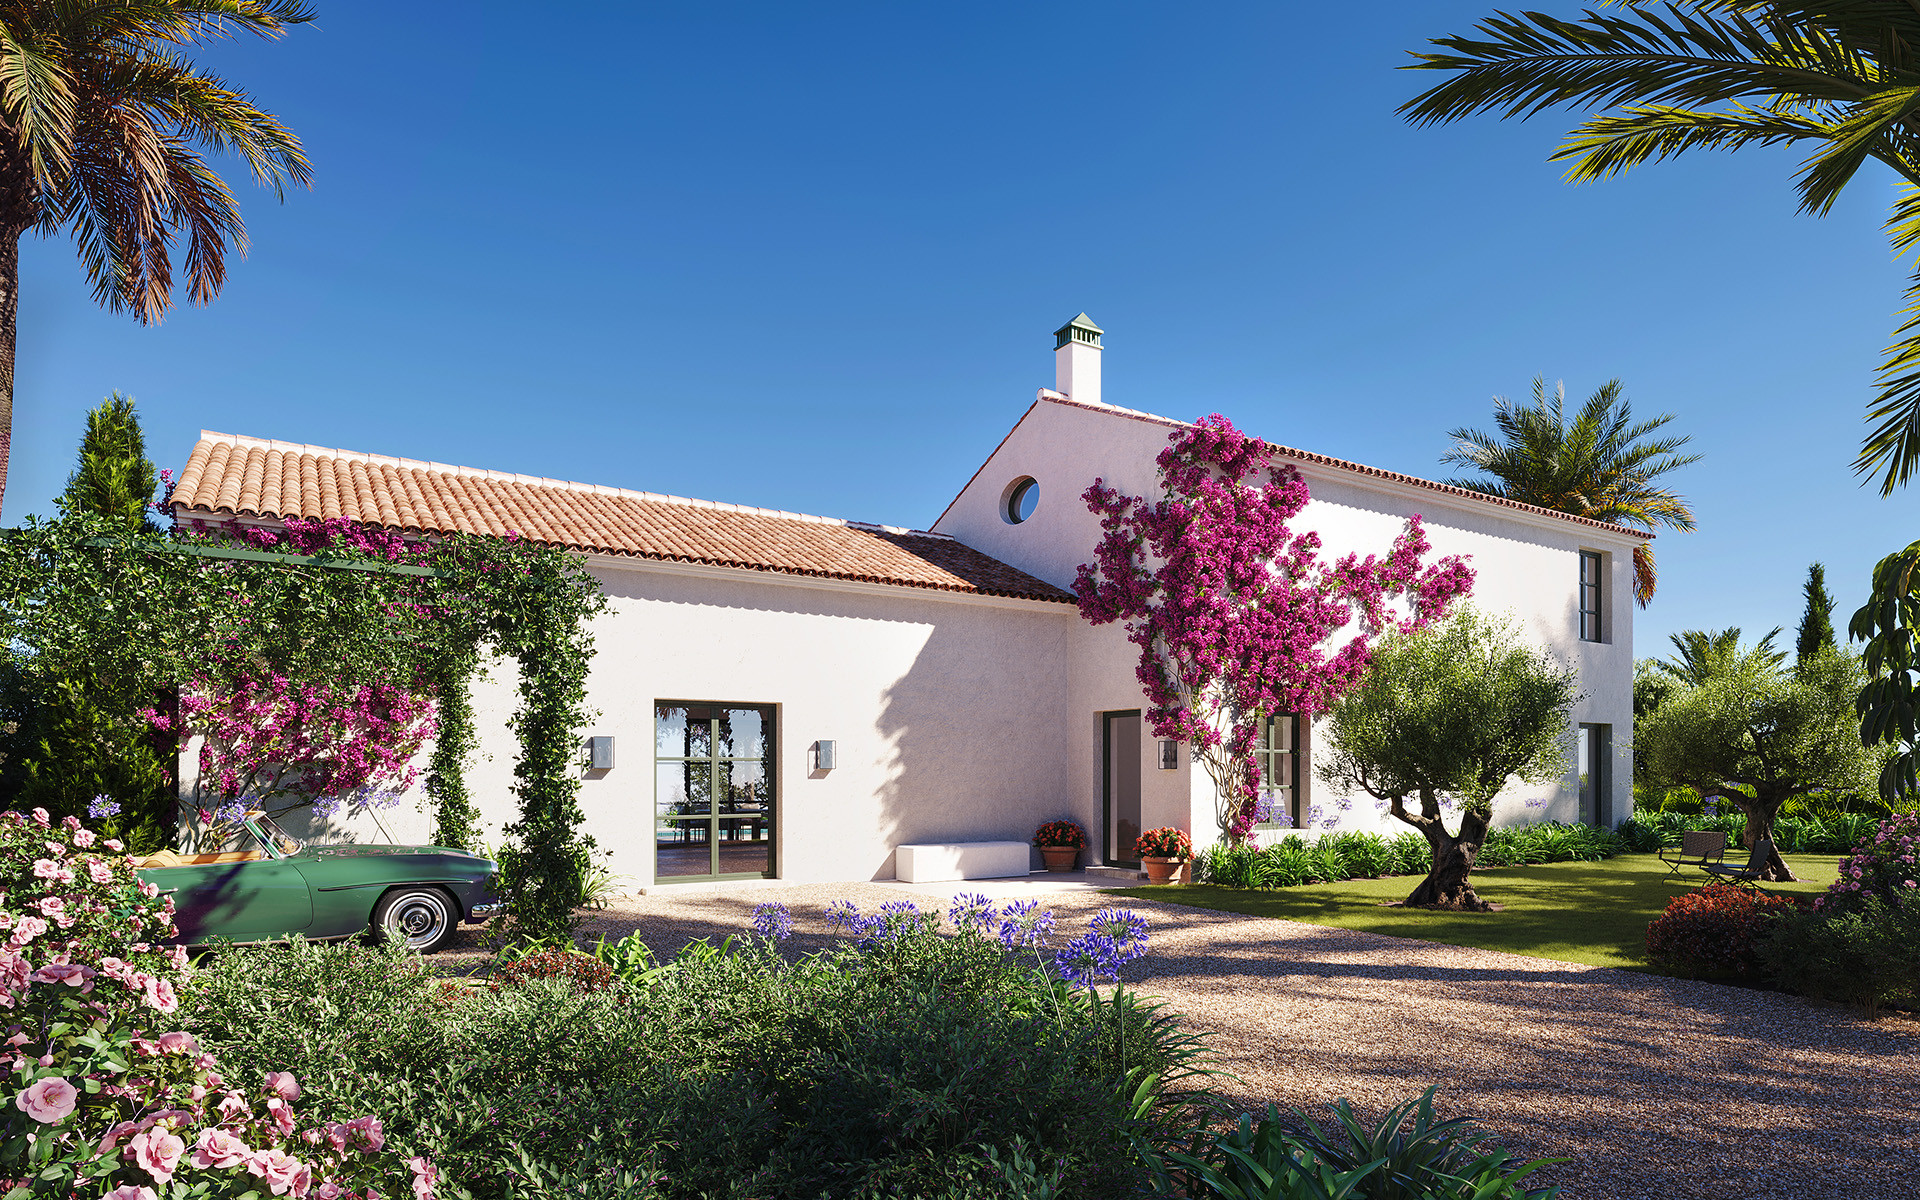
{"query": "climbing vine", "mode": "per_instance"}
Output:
(248, 617)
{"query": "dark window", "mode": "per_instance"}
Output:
(1022, 498)
(713, 790)
(1279, 754)
(1596, 774)
(1591, 562)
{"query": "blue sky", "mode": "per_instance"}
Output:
(810, 257)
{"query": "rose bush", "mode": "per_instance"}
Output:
(102, 1098)
(1885, 864)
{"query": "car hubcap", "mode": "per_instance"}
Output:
(417, 921)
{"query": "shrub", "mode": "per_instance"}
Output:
(1863, 955)
(905, 1060)
(585, 972)
(1364, 855)
(108, 1094)
(1716, 929)
(1885, 864)
(1407, 1155)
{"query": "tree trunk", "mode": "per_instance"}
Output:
(1760, 815)
(9, 312)
(1447, 885)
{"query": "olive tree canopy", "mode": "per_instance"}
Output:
(1451, 714)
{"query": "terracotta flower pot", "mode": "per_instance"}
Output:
(1161, 870)
(1060, 858)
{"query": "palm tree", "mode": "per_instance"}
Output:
(102, 124)
(1717, 654)
(1597, 466)
(1842, 76)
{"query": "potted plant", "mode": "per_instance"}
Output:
(1162, 851)
(1060, 843)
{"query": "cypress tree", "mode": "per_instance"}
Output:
(114, 479)
(1816, 622)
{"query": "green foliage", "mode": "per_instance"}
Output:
(1889, 702)
(1816, 620)
(73, 751)
(1834, 833)
(1596, 465)
(1333, 857)
(1409, 1154)
(79, 597)
(1833, 80)
(1715, 930)
(1863, 955)
(1453, 710)
(1760, 736)
(456, 820)
(1703, 655)
(927, 1066)
(115, 480)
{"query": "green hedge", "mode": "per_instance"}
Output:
(1333, 857)
(1835, 834)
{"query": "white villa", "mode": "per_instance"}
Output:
(794, 697)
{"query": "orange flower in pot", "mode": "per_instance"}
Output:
(1162, 851)
(1060, 843)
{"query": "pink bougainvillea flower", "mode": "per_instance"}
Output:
(69, 974)
(220, 1149)
(156, 1152)
(283, 1085)
(48, 1100)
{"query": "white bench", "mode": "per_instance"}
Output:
(940, 861)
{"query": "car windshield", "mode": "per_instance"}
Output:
(282, 841)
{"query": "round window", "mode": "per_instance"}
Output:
(1023, 496)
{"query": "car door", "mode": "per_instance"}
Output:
(241, 901)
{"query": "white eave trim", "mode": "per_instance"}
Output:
(860, 587)
(1427, 498)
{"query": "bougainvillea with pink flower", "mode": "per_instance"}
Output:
(1234, 613)
(101, 1097)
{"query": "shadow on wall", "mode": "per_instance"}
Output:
(976, 734)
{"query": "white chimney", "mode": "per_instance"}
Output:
(1076, 360)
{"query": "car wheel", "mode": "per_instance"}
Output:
(419, 918)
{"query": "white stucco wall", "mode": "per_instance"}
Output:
(1526, 565)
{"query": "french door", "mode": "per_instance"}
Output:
(713, 797)
(1120, 788)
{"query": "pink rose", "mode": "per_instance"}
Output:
(337, 1135)
(70, 974)
(114, 844)
(282, 1115)
(218, 1148)
(366, 1133)
(48, 1100)
(39, 815)
(51, 906)
(112, 1137)
(128, 1191)
(100, 871)
(329, 1191)
(177, 1043)
(425, 1174)
(283, 1085)
(83, 838)
(277, 1167)
(159, 994)
(157, 1152)
(45, 868)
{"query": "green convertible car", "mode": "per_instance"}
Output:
(416, 895)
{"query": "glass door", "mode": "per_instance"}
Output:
(713, 791)
(1121, 789)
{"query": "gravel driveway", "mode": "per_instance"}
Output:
(1652, 1087)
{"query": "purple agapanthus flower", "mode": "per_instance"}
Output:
(1124, 929)
(103, 806)
(773, 921)
(972, 911)
(1022, 928)
(843, 916)
(1087, 959)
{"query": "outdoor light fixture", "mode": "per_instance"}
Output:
(1169, 754)
(599, 754)
(823, 756)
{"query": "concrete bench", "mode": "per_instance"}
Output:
(940, 861)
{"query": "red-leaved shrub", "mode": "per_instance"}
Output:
(1714, 929)
(587, 973)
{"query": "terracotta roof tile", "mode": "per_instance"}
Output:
(248, 477)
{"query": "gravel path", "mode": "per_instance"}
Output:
(1653, 1087)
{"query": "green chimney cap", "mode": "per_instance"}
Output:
(1080, 329)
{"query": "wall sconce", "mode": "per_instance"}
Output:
(599, 754)
(1169, 754)
(823, 756)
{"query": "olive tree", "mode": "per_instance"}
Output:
(1760, 736)
(1448, 715)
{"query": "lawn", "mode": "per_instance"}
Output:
(1584, 912)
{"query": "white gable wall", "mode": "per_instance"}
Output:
(1527, 565)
